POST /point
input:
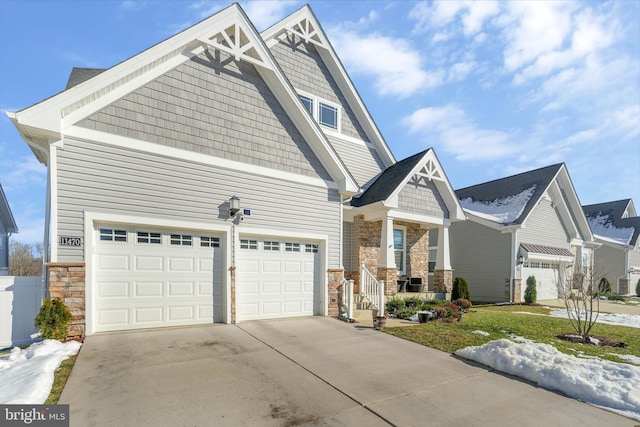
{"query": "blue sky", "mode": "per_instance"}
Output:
(497, 88)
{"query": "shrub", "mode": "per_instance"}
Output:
(460, 289)
(530, 293)
(638, 288)
(463, 303)
(53, 319)
(394, 305)
(615, 297)
(604, 286)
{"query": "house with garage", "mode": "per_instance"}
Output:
(7, 227)
(616, 227)
(529, 224)
(214, 178)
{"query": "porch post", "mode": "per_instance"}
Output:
(443, 274)
(387, 269)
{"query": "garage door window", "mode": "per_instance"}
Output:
(112, 235)
(311, 248)
(292, 247)
(248, 244)
(151, 238)
(271, 246)
(209, 242)
(181, 240)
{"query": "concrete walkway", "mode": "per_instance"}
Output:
(304, 371)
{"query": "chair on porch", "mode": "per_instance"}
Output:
(415, 284)
(403, 281)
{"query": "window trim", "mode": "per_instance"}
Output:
(151, 238)
(114, 233)
(402, 270)
(316, 104)
(179, 239)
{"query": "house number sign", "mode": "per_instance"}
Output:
(69, 241)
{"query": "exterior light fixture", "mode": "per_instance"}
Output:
(520, 260)
(234, 206)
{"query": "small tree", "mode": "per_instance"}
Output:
(582, 308)
(460, 289)
(25, 259)
(604, 286)
(530, 292)
(54, 319)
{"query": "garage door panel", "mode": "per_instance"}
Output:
(146, 263)
(293, 287)
(271, 287)
(109, 290)
(271, 267)
(292, 307)
(113, 262)
(142, 283)
(292, 267)
(271, 308)
(148, 289)
(250, 266)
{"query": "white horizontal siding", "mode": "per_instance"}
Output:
(363, 162)
(103, 178)
(544, 227)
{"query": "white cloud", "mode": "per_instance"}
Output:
(478, 12)
(456, 133)
(443, 13)
(395, 65)
(265, 13)
(22, 173)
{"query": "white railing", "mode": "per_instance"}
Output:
(372, 289)
(347, 297)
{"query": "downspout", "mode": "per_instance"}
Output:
(46, 252)
(340, 234)
(514, 260)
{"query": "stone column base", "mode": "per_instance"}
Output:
(442, 281)
(390, 277)
(624, 287)
(335, 276)
(517, 291)
(67, 282)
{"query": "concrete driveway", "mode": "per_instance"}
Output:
(304, 371)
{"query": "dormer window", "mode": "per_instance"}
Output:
(324, 112)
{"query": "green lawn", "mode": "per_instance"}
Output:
(502, 321)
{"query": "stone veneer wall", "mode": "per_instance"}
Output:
(442, 281)
(335, 281)
(517, 291)
(417, 251)
(67, 282)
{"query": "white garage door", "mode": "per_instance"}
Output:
(150, 278)
(277, 278)
(546, 274)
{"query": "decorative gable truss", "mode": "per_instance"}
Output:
(429, 172)
(229, 31)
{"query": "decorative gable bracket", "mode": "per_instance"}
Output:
(306, 30)
(234, 41)
(429, 172)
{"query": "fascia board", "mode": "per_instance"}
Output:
(494, 225)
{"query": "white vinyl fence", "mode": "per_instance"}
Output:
(20, 299)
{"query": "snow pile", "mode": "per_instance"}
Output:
(630, 320)
(503, 210)
(611, 385)
(26, 376)
(479, 332)
(635, 360)
(602, 227)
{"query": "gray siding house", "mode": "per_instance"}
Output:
(209, 178)
(616, 226)
(7, 227)
(530, 224)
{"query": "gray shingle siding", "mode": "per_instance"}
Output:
(306, 71)
(363, 162)
(108, 179)
(424, 199)
(213, 106)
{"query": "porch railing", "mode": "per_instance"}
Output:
(372, 289)
(347, 298)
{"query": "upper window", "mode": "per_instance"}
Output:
(399, 249)
(308, 103)
(328, 116)
(110, 234)
(324, 112)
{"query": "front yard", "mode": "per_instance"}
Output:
(530, 322)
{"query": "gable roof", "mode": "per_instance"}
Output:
(421, 166)
(6, 217)
(79, 75)
(229, 31)
(305, 25)
(609, 222)
(508, 200)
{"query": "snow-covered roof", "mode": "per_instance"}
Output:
(504, 210)
(609, 222)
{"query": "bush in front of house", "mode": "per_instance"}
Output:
(406, 308)
(530, 292)
(638, 288)
(463, 303)
(53, 319)
(604, 286)
(460, 289)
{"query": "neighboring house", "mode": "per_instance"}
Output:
(205, 179)
(530, 224)
(616, 226)
(7, 227)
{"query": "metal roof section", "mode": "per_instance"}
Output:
(546, 250)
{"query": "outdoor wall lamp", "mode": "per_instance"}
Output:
(520, 260)
(234, 206)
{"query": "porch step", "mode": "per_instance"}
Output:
(363, 316)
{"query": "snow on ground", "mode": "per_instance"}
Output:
(630, 320)
(26, 376)
(628, 357)
(479, 332)
(610, 385)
